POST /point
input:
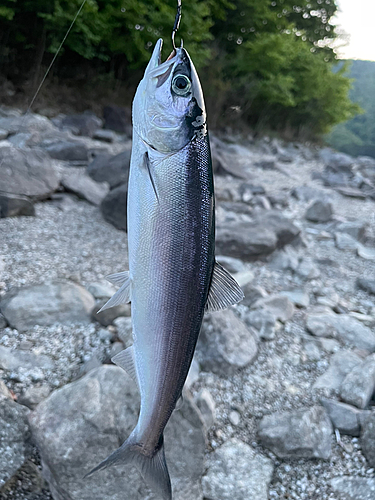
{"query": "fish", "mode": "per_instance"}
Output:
(173, 278)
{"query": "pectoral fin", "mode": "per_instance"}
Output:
(224, 290)
(122, 296)
(147, 165)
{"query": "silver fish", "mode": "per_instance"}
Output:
(173, 277)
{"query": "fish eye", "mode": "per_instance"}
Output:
(181, 85)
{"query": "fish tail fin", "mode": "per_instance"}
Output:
(153, 468)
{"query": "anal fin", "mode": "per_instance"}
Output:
(126, 360)
(224, 290)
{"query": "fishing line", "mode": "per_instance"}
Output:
(55, 57)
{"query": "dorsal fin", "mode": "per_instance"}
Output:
(224, 290)
(126, 360)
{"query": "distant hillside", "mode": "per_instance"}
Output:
(357, 136)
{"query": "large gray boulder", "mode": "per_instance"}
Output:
(57, 302)
(111, 169)
(319, 211)
(82, 124)
(236, 472)
(14, 438)
(225, 343)
(16, 359)
(245, 242)
(27, 173)
(297, 434)
(84, 187)
(68, 151)
(82, 423)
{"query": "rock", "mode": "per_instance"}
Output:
(368, 285)
(111, 169)
(236, 472)
(29, 122)
(27, 173)
(344, 417)
(3, 134)
(356, 229)
(68, 151)
(354, 488)
(245, 242)
(352, 192)
(207, 407)
(234, 417)
(32, 396)
(263, 321)
(114, 207)
(319, 211)
(286, 259)
(252, 294)
(225, 343)
(84, 124)
(82, 423)
(231, 264)
(4, 391)
(286, 231)
(3, 322)
(368, 438)
(365, 252)
(312, 351)
(297, 434)
(57, 302)
(344, 327)
(16, 359)
(108, 316)
(84, 187)
(298, 297)
(104, 135)
(307, 269)
(280, 306)
(12, 205)
(14, 438)
(345, 241)
(118, 119)
(359, 385)
(308, 193)
(337, 161)
(102, 290)
(340, 365)
(124, 330)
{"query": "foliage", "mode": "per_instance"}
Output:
(270, 59)
(357, 136)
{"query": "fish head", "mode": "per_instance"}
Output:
(168, 108)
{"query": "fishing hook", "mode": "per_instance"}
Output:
(176, 23)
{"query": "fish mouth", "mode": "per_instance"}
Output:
(156, 68)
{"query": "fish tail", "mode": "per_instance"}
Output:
(153, 468)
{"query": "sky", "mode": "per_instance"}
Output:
(356, 18)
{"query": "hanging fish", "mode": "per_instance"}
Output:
(173, 277)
